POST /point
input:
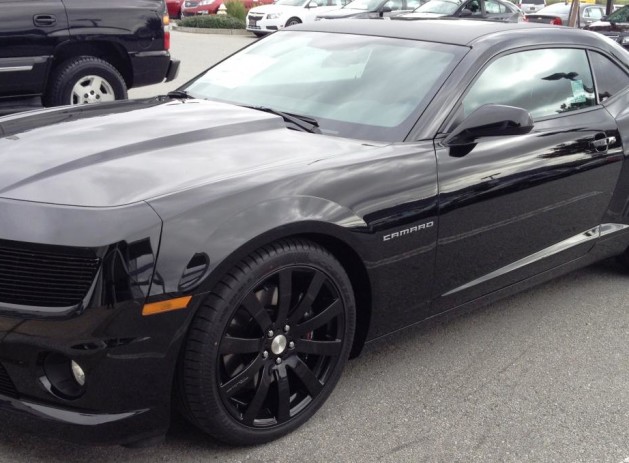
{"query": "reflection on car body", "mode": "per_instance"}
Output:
(234, 242)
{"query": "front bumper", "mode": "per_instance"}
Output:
(129, 359)
(264, 25)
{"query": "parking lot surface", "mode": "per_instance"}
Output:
(542, 376)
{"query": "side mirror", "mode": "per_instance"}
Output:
(313, 5)
(385, 9)
(465, 13)
(490, 120)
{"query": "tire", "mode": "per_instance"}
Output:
(259, 34)
(84, 79)
(269, 344)
(292, 22)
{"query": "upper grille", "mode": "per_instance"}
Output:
(6, 385)
(45, 276)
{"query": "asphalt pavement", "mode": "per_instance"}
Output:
(539, 377)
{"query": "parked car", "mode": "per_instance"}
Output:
(531, 6)
(558, 13)
(262, 20)
(371, 9)
(202, 7)
(495, 10)
(77, 51)
(615, 26)
(234, 242)
(174, 8)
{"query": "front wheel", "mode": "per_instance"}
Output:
(84, 79)
(292, 22)
(269, 345)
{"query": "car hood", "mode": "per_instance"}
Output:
(114, 154)
(342, 13)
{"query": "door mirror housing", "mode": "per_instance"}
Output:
(490, 120)
(385, 9)
(465, 13)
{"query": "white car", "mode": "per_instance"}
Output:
(265, 19)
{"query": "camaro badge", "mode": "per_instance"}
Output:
(408, 231)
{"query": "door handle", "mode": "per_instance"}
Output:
(602, 144)
(44, 20)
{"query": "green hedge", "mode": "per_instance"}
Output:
(236, 9)
(213, 21)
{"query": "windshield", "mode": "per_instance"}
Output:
(355, 86)
(368, 5)
(439, 6)
(292, 2)
(620, 16)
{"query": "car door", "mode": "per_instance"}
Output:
(29, 33)
(513, 207)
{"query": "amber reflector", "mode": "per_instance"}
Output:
(166, 306)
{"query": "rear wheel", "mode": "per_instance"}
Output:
(84, 79)
(269, 345)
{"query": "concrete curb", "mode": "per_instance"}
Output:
(203, 30)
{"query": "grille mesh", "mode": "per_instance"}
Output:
(45, 276)
(6, 385)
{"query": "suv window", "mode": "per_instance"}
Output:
(544, 82)
(610, 79)
(593, 12)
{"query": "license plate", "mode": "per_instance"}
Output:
(253, 22)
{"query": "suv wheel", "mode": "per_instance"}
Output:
(84, 79)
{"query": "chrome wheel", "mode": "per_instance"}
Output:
(91, 89)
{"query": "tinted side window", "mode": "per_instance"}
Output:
(610, 79)
(544, 82)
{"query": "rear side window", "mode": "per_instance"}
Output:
(544, 82)
(610, 79)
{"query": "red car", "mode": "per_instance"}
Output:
(197, 7)
(174, 8)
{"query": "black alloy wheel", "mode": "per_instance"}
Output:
(268, 347)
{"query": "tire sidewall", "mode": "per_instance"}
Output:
(71, 72)
(236, 432)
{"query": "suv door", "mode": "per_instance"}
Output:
(513, 207)
(29, 32)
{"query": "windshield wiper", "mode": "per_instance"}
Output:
(181, 94)
(303, 123)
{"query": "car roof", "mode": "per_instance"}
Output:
(450, 31)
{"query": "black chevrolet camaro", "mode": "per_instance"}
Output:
(227, 247)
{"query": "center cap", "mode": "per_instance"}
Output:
(279, 344)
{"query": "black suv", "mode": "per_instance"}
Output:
(59, 52)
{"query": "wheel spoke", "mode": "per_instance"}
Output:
(238, 382)
(306, 376)
(329, 313)
(258, 400)
(257, 311)
(326, 348)
(285, 294)
(311, 293)
(283, 394)
(230, 345)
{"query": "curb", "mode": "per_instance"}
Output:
(204, 30)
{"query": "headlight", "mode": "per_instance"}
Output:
(273, 15)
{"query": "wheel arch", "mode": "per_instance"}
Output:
(111, 52)
(330, 238)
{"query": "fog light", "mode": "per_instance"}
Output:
(79, 374)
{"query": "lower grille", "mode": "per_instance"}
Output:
(45, 276)
(6, 385)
